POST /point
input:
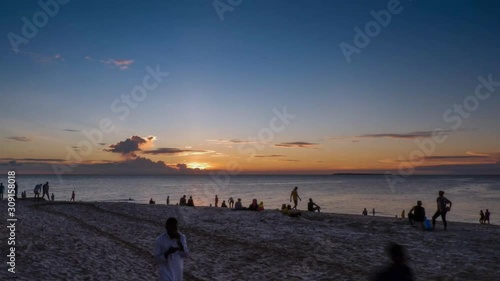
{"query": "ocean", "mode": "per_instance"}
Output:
(336, 194)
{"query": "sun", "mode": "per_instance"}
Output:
(198, 165)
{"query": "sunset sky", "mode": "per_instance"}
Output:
(265, 88)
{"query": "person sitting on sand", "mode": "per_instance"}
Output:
(295, 195)
(170, 251)
(190, 202)
(293, 213)
(231, 202)
(487, 216)
(182, 202)
(151, 201)
(417, 213)
(72, 196)
(261, 206)
(223, 205)
(398, 270)
(238, 205)
(283, 207)
(365, 212)
(481, 217)
(442, 209)
(52, 197)
(313, 207)
(254, 206)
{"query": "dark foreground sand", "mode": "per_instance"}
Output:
(114, 241)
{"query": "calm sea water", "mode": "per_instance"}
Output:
(338, 194)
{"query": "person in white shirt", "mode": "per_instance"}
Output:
(170, 251)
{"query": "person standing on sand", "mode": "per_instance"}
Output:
(231, 202)
(46, 191)
(72, 196)
(2, 189)
(403, 214)
(52, 197)
(373, 211)
(487, 216)
(398, 270)
(168, 200)
(481, 217)
(442, 209)
(170, 251)
(216, 201)
(295, 195)
(365, 212)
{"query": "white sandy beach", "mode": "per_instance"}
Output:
(114, 241)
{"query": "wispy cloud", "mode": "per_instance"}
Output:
(269, 156)
(71, 130)
(176, 151)
(231, 141)
(296, 144)
(33, 159)
(410, 135)
(88, 58)
(20, 138)
(121, 64)
(41, 58)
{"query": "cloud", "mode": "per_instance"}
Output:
(288, 160)
(41, 58)
(447, 160)
(129, 146)
(231, 141)
(71, 130)
(296, 144)
(33, 159)
(411, 135)
(121, 64)
(20, 138)
(269, 156)
(176, 151)
(88, 58)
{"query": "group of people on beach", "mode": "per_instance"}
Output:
(484, 217)
(42, 189)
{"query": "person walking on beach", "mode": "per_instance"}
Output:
(313, 207)
(72, 196)
(365, 212)
(398, 270)
(168, 200)
(417, 213)
(295, 195)
(52, 197)
(216, 201)
(2, 189)
(442, 209)
(481, 217)
(46, 191)
(487, 216)
(170, 251)
(231, 202)
(36, 190)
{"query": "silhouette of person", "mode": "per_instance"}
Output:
(442, 209)
(216, 201)
(403, 214)
(313, 207)
(231, 202)
(373, 211)
(487, 216)
(151, 201)
(190, 202)
(52, 197)
(72, 196)
(46, 191)
(223, 205)
(295, 195)
(170, 251)
(481, 217)
(238, 205)
(398, 270)
(168, 200)
(2, 189)
(365, 212)
(261, 206)
(182, 202)
(36, 190)
(417, 213)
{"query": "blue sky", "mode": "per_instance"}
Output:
(226, 77)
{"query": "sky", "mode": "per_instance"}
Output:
(262, 87)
